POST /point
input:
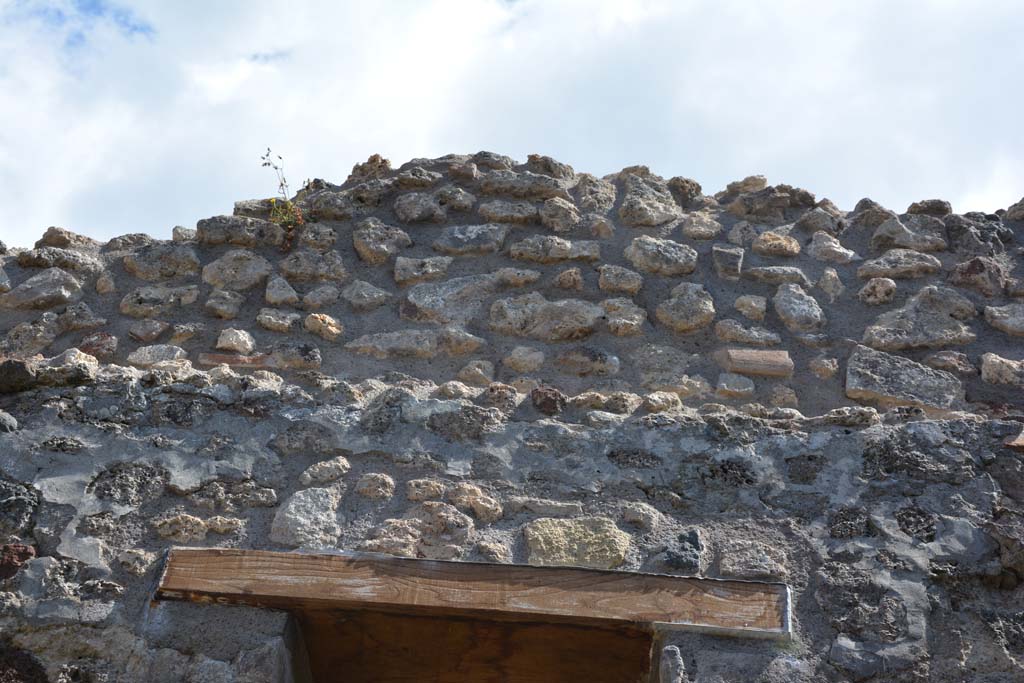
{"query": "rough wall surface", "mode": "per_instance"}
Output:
(471, 358)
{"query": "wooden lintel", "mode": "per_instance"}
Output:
(366, 581)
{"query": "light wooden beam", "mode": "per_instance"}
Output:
(365, 581)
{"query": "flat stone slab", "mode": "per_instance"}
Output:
(890, 380)
(758, 363)
(1015, 442)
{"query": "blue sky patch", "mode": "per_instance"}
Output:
(78, 18)
(271, 56)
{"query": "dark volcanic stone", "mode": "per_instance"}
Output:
(685, 555)
(63, 444)
(850, 523)
(804, 469)
(916, 522)
(17, 508)
(130, 483)
(12, 557)
(15, 376)
(638, 458)
(467, 423)
(548, 400)
(18, 666)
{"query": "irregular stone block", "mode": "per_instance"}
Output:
(690, 308)
(551, 249)
(276, 320)
(733, 332)
(623, 317)
(825, 247)
(831, 284)
(900, 264)
(819, 220)
(319, 297)
(162, 262)
(280, 293)
(998, 370)
(238, 269)
(663, 368)
(454, 198)
(416, 343)
(417, 177)
(224, 304)
(412, 270)
(148, 331)
(732, 385)
(931, 318)
(47, 289)
(585, 361)
(477, 373)
(471, 497)
(617, 279)
(570, 278)
(59, 237)
(376, 243)
(308, 519)
(66, 259)
(471, 240)
(893, 233)
(147, 356)
(307, 265)
(700, 226)
(324, 326)
(459, 299)
(240, 231)
(951, 361)
(931, 207)
(877, 291)
(531, 315)
(728, 261)
(777, 275)
(662, 257)
(238, 341)
(594, 195)
(501, 211)
(432, 529)
(325, 471)
(525, 185)
(375, 486)
(774, 244)
(647, 200)
(798, 310)
(593, 542)
(363, 297)
(1008, 319)
(752, 306)
(559, 215)
(984, 274)
(1015, 212)
(419, 207)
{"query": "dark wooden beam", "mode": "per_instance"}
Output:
(364, 581)
(365, 646)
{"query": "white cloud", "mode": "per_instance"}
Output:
(136, 116)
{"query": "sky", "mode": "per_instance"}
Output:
(121, 117)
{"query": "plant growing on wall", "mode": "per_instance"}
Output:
(283, 211)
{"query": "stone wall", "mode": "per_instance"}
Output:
(470, 358)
